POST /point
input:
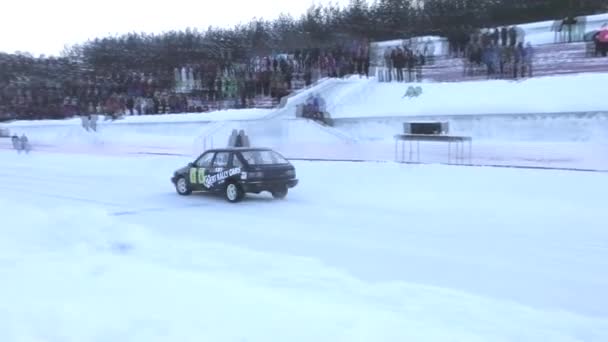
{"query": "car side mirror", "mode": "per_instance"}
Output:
(190, 164)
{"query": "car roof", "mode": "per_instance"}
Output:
(238, 149)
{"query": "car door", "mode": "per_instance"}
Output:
(217, 173)
(200, 170)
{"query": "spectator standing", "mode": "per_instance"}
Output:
(399, 63)
(512, 36)
(388, 61)
(420, 62)
(528, 58)
(602, 39)
(518, 60)
(411, 63)
(495, 36)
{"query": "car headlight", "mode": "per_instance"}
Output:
(290, 173)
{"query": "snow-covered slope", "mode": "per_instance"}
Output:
(558, 94)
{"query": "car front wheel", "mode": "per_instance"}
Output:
(233, 192)
(181, 186)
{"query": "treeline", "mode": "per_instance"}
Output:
(321, 27)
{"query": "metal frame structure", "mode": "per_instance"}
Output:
(450, 139)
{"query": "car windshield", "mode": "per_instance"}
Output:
(263, 158)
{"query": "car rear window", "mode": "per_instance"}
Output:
(263, 158)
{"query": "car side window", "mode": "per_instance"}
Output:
(221, 160)
(205, 160)
(236, 161)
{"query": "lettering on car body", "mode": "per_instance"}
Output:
(220, 177)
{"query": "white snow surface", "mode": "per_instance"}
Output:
(554, 94)
(101, 248)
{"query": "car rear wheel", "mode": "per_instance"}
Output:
(181, 186)
(233, 192)
(279, 193)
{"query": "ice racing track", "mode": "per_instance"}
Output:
(359, 250)
(427, 240)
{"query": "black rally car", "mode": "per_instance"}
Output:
(234, 172)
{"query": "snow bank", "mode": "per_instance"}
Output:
(557, 94)
(584, 127)
(222, 115)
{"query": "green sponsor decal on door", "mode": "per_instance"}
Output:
(192, 175)
(197, 176)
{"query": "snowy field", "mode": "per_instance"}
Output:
(100, 248)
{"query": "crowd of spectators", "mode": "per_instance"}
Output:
(504, 52)
(397, 61)
(33, 88)
(499, 53)
(273, 75)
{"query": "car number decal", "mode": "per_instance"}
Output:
(201, 176)
(192, 175)
(197, 175)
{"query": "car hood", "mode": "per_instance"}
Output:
(183, 170)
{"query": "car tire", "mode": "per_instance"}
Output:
(182, 187)
(279, 193)
(233, 192)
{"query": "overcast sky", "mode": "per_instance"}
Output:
(45, 26)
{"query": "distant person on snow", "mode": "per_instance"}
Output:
(319, 108)
(16, 142)
(242, 140)
(25, 144)
(232, 138)
(309, 107)
(21, 143)
(239, 141)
